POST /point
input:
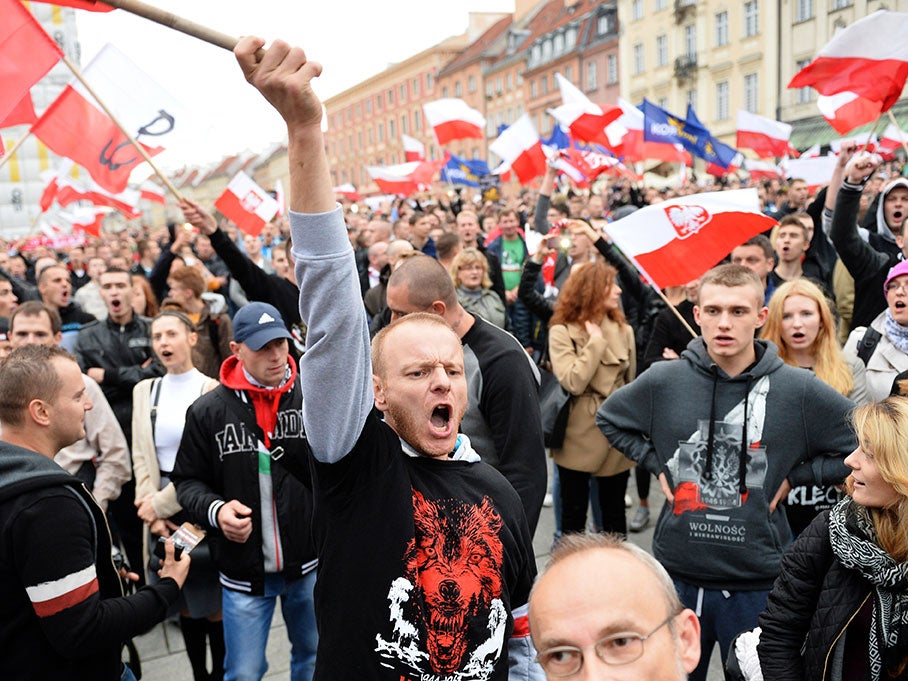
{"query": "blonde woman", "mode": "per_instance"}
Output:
(470, 272)
(839, 609)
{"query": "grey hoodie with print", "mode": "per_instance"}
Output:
(686, 418)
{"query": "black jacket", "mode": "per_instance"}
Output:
(810, 605)
(124, 353)
(54, 540)
(218, 461)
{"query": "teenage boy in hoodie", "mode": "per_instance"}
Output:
(425, 557)
(752, 427)
(257, 514)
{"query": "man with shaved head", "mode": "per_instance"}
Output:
(425, 557)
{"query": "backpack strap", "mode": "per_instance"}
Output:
(867, 344)
(155, 396)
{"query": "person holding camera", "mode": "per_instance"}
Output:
(158, 419)
(62, 609)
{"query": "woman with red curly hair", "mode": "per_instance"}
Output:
(591, 347)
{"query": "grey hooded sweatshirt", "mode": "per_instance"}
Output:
(686, 419)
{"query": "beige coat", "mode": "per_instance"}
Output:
(591, 369)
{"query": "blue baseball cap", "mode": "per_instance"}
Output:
(257, 324)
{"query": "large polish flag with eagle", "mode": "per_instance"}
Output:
(676, 241)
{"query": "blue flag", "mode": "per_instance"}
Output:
(461, 171)
(661, 126)
(559, 139)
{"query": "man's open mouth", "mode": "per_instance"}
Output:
(441, 417)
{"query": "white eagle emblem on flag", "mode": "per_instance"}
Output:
(687, 220)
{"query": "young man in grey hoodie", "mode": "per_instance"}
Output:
(752, 428)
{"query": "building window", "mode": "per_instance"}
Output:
(369, 106)
(751, 93)
(721, 29)
(536, 54)
(378, 102)
(591, 75)
(547, 50)
(444, 91)
(570, 38)
(690, 41)
(359, 139)
(722, 101)
(637, 10)
(805, 10)
(660, 5)
(417, 120)
(804, 93)
(390, 97)
(692, 98)
(392, 130)
(369, 136)
(842, 4)
(569, 73)
(458, 90)
(498, 85)
(751, 18)
(403, 91)
(533, 91)
(415, 87)
(639, 65)
(430, 80)
(611, 68)
(558, 44)
(545, 85)
(404, 124)
(509, 82)
(605, 24)
(471, 84)
(661, 50)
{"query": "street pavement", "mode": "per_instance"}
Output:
(164, 659)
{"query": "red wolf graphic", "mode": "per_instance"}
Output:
(455, 562)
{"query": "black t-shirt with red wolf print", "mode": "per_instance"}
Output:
(421, 563)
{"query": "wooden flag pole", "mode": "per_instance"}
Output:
(9, 154)
(132, 140)
(901, 135)
(872, 132)
(177, 23)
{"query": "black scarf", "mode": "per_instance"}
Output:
(854, 544)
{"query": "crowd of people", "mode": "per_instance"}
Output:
(345, 408)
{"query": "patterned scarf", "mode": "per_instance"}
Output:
(895, 332)
(854, 544)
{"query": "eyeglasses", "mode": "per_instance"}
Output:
(893, 286)
(616, 650)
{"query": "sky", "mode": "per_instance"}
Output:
(353, 40)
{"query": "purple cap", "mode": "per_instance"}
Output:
(898, 271)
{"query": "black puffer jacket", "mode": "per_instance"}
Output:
(811, 604)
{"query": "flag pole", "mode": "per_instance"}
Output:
(132, 140)
(899, 128)
(9, 154)
(872, 132)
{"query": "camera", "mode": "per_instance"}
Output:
(178, 547)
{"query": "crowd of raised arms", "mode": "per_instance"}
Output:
(364, 410)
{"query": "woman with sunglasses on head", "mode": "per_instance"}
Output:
(158, 419)
(839, 609)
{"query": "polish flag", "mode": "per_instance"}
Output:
(403, 179)
(716, 170)
(846, 111)
(765, 136)
(762, 170)
(868, 142)
(868, 58)
(27, 53)
(150, 191)
(126, 202)
(815, 171)
(87, 220)
(51, 188)
(893, 138)
(246, 204)
(586, 121)
(75, 127)
(676, 241)
(503, 171)
(520, 147)
(348, 191)
(813, 152)
(454, 119)
(414, 150)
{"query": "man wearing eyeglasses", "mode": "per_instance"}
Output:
(630, 626)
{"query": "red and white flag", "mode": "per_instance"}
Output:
(454, 119)
(813, 152)
(69, 192)
(280, 197)
(87, 220)
(815, 171)
(348, 191)
(762, 170)
(868, 58)
(151, 191)
(75, 127)
(519, 146)
(678, 240)
(868, 142)
(27, 53)
(403, 179)
(585, 120)
(846, 111)
(414, 150)
(245, 203)
(765, 136)
(893, 138)
(90, 5)
(22, 114)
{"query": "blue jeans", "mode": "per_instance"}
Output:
(723, 615)
(247, 620)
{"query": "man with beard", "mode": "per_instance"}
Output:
(630, 626)
(424, 552)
